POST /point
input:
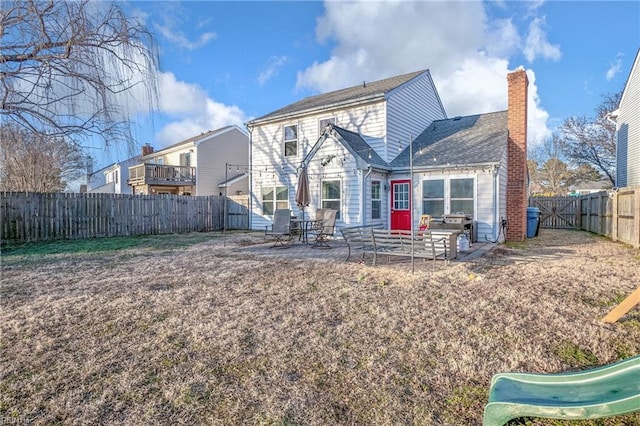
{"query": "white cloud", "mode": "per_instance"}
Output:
(173, 17)
(537, 45)
(615, 67)
(191, 111)
(380, 39)
(469, 61)
(273, 68)
(180, 39)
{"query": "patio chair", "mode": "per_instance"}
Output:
(281, 228)
(317, 226)
(326, 231)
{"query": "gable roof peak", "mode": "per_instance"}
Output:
(365, 90)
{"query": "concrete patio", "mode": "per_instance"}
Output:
(339, 250)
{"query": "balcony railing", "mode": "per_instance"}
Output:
(157, 174)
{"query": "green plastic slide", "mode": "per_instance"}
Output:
(602, 392)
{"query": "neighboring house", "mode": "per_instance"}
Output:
(627, 118)
(112, 179)
(584, 188)
(211, 163)
(361, 166)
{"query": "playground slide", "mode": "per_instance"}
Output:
(602, 392)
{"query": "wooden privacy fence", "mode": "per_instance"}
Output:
(31, 217)
(615, 214)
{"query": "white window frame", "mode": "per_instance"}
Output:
(287, 142)
(324, 200)
(274, 201)
(322, 123)
(185, 159)
(447, 193)
(376, 201)
(112, 177)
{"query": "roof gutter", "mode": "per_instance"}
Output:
(446, 166)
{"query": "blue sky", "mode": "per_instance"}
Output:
(227, 62)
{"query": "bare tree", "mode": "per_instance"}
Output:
(592, 141)
(551, 174)
(74, 68)
(33, 162)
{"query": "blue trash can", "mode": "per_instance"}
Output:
(533, 221)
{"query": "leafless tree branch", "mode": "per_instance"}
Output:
(75, 69)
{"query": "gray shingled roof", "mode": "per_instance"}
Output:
(193, 139)
(359, 147)
(339, 97)
(473, 139)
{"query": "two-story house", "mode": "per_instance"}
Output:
(355, 146)
(200, 165)
(379, 114)
(627, 118)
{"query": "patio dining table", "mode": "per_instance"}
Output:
(305, 225)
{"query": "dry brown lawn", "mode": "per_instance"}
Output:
(188, 330)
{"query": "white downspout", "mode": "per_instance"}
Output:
(250, 177)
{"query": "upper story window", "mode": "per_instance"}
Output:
(185, 159)
(291, 140)
(112, 177)
(160, 160)
(323, 123)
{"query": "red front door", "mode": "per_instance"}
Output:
(400, 204)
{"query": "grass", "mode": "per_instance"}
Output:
(110, 244)
(185, 329)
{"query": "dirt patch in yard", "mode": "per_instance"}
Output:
(192, 330)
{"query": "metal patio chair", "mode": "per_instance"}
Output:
(325, 233)
(281, 228)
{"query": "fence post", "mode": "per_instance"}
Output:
(636, 217)
(579, 213)
(614, 217)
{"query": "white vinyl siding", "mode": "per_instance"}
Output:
(628, 142)
(267, 154)
(410, 110)
(483, 198)
(212, 155)
(382, 123)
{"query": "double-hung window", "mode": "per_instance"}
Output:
(291, 140)
(445, 196)
(331, 195)
(274, 198)
(376, 200)
(323, 123)
(461, 198)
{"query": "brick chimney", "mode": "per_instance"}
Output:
(146, 149)
(517, 200)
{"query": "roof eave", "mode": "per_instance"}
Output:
(445, 166)
(335, 105)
